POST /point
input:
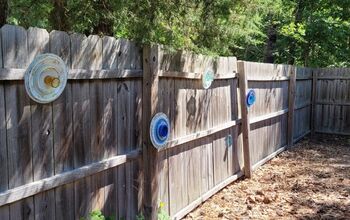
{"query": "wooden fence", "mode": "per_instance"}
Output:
(303, 103)
(331, 101)
(90, 149)
(197, 161)
(81, 152)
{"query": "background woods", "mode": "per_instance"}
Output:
(308, 33)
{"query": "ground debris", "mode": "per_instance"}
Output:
(310, 181)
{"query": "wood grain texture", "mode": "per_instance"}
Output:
(267, 137)
(123, 142)
(263, 71)
(63, 131)
(193, 152)
(42, 137)
(221, 113)
(18, 117)
(8, 74)
(303, 102)
(132, 61)
(243, 86)
(270, 97)
(291, 106)
(4, 210)
(330, 105)
(110, 51)
(85, 54)
(3, 144)
(271, 133)
(151, 59)
(166, 100)
(34, 188)
(313, 107)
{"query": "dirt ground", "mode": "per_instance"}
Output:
(311, 181)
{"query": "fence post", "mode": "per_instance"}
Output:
(291, 104)
(313, 105)
(243, 87)
(151, 64)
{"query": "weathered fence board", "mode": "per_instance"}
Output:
(4, 210)
(303, 103)
(63, 131)
(332, 112)
(15, 55)
(42, 138)
(268, 134)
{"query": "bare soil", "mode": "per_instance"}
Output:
(310, 181)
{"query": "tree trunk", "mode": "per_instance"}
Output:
(105, 23)
(3, 12)
(270, 43)
(59, 19)
(298, 12)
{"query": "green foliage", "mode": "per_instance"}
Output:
(140, 217)
(312, 33)
(97, 215)
(162, 214)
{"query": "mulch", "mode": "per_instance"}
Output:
(310, 181)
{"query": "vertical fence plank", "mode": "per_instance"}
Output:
(175, 174)
(243, 86)
(193, 153)
(63, 131)
(314, 98)
(42, 138)
(123, 143)
(4, 211)
(291, 104)
(124, 120)
(132, 61)
(81, 50)
(94, 54)
(38, 40)
(137, 131)
(110, 55)
(151, 58)
(18, 117)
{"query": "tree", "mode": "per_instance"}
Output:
(3, 12)
(58, 15)
(300, 32)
